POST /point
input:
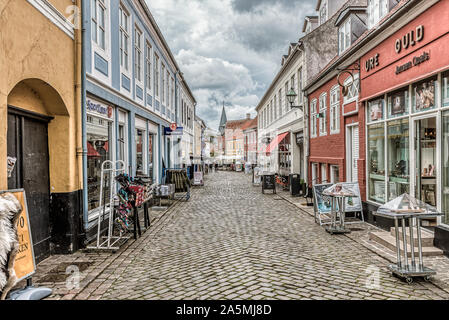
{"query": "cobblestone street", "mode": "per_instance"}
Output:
(231, 242)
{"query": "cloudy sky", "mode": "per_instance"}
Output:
(230, 50)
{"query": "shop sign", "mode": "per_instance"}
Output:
(179, 131)
(99, 108)
(410, 39)
(415, 62)
(372, 62)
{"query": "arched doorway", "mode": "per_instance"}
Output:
(32, 107)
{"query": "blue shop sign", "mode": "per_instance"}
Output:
(169, 132)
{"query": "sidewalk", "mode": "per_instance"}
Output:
(360, 234)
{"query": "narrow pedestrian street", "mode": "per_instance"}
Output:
(232, 242)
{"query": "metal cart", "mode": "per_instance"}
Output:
(338, 213)
(403, 269)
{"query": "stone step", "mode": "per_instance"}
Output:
(388, 241)
(426, 236)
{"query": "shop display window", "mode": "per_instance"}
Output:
(285, 155)
(398, 154)
(445, 89)
(376, 162)
(445, 166)
(398, 103)
(423, 95)
(99, 149)
(140, 156)
(376, 110)
(151, 140)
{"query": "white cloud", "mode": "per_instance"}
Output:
(229, 49)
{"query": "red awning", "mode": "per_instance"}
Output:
(275, 142)
(91, 152)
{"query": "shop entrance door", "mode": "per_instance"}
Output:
(426, 160)
(28, 142)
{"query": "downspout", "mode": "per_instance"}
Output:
(83, 117)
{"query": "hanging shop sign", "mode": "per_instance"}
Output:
(98, 108)
(179, 131)
(409, 39)
(372, 63)
(416, 61)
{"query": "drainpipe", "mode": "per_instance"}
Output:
(83, 117)
(78, 65)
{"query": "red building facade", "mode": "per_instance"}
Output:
(405, 92)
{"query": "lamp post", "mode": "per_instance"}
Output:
(291, 97)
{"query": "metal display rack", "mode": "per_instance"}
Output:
(109, 242)
(402, 268)
(338, 213)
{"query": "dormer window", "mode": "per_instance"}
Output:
(344, 36)
(323, 12)
(377, 9)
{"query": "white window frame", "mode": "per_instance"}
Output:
(280, 103)
(163, 83)
(313, 118)
(148, 49)
(335, 110)
(124, 34)
(300, 87)
(275, 108)
(285, 98)
(138, 55)
(293, 85)
(345, 31)
(100, 26)
(323, 110)
(333, 169)
(354, 89)
(377, 10)
(323, 7)
(156, 75)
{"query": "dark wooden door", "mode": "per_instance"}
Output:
(28, 142)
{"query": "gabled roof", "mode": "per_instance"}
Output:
(309, 19)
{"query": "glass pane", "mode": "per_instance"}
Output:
(445, 89)
(398, 158)
(376, 157)
(150, 155)
(445, 166)
(140, 170)
(376, 110)
(423, 95)
(398, 104)
(99, 137)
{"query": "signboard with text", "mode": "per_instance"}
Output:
(179, 131)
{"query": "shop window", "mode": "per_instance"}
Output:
(335, 174)
(445, 166)
(376, 163)
(324, 173)
(99, 146)
(140, 155)
(398, 158)
(398, 103)
(376, 110)
(151, 166)
(285, 155)
(445, 89)
(122, 145)
(423, 95)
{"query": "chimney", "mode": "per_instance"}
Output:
(248, 116)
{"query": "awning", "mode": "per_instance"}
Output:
(91, 152)
(275, 142)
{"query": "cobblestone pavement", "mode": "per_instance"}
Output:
(231, 242)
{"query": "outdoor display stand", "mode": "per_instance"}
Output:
(338, 194)
(179, 177)
(166, 191)
(322, 203)
(268, 182)
(109, 242)
(408, 208)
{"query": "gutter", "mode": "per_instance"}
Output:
(83, 116)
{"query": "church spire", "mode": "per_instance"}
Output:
(223, 121)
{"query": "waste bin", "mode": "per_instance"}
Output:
(295, 184)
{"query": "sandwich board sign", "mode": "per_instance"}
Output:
(25, 264)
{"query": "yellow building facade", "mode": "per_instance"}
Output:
(40, 120)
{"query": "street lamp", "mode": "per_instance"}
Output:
(291, 96)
